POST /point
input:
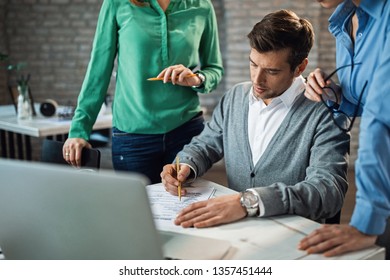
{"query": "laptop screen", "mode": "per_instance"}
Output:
(52, 212)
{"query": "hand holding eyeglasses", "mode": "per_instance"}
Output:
(319, 87)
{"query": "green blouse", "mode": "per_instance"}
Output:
(145, 40)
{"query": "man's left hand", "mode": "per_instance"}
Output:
(212, 212)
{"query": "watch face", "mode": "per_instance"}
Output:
(250, 200)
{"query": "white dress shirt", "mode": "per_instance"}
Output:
(264, 121)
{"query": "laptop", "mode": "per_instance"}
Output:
(53, 212)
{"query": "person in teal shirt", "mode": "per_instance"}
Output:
(175, 40)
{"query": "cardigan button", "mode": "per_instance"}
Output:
(252, 174)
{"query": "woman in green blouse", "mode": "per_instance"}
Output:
(152, 120)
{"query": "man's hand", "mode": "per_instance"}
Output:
(170, 178)
(333, 240)
(212, 212)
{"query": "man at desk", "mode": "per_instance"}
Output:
(282, 151)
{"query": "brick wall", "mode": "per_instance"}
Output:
(54, 37)
(3, 47)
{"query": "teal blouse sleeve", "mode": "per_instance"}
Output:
(210, 55)
(97, 78)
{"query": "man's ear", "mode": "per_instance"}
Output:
(301, 67)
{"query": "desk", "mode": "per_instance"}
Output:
(273, 238)
(39, 126)
(269, 238)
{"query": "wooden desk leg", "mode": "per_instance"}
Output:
(3, 144)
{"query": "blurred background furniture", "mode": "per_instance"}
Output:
(52, 153)
(15, 135)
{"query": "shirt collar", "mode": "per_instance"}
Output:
(339, 16)
(288, 97)
(373, 8)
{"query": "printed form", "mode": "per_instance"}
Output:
(166, 206)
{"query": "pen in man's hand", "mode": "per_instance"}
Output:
(177, 176)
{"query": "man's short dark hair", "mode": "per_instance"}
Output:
(280, 30)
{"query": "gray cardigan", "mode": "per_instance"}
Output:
(302, 171)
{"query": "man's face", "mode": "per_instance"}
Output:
(329, 3)
(271, 73)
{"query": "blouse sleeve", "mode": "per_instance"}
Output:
(210, 55)
(99, 71)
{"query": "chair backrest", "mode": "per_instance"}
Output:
(384, 239)
(52, 153)
(335, 219)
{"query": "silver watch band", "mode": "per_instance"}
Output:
(202, 79)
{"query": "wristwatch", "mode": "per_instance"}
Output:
(202, 80)
(250, 201)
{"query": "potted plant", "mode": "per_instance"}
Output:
(24, 104)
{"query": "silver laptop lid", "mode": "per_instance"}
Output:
(52, 212)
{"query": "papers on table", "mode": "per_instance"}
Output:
(165, 206)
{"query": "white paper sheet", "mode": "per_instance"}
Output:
(166, 206)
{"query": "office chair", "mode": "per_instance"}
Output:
(335, 219)
(52, 153)
(384, 240)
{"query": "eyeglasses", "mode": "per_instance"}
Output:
(331, 101)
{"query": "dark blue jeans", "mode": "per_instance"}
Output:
(148, 153)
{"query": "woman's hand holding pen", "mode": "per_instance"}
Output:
(179, 75)
(170, 178)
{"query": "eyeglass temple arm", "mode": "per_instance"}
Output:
(360, 99)
(337, 69)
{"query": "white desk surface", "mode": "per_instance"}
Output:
(273, 238)
(41, 126)
(269, 238)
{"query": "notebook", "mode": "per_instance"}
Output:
(53, 212)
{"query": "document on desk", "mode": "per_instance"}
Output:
(166, 206)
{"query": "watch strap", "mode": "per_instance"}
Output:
(202, 78)
(251, 211)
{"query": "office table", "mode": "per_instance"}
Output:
(274, 238)
(268, 238)
(38, 126)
